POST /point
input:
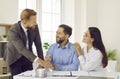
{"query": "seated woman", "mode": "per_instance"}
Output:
(93, 55)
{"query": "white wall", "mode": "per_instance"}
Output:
(8, 13)
(109, 23)
(68, 14)
(91, 13)
(80, 19)
(85, 15)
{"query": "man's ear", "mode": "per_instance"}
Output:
(67, 36)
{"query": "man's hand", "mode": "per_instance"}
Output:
(48, 59)
(39, 67)
(78, 48)
(44, 64)
(53, 66)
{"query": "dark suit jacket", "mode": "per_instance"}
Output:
(16, 46)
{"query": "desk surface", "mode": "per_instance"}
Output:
(88, 77)
(75, 75)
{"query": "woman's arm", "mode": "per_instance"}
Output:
(78, 48)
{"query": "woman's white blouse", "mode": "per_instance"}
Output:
(91, 60)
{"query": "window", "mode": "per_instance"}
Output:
(22, 4)
(50, 19)
(51, 16)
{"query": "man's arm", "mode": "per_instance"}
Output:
(17, 42)
(38, 43)
(40, 57)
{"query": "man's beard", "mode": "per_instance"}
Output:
(59, 41)
(30, 28)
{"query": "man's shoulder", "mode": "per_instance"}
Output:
(71, 45)
(15, 26)
(54, 45)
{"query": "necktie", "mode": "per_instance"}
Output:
(28, 39)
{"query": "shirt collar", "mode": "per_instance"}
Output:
(24, 29)
(66, 46)
(91, 49)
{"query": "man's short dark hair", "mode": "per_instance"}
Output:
(67, 29)
(27, 13)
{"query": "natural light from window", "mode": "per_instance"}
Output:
(51, 16)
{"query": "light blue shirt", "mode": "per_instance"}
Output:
(65, 58)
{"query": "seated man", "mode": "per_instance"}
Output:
(63, 53)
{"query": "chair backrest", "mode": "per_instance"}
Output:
(112, 66)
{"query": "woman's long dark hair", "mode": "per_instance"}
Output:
(98, 43)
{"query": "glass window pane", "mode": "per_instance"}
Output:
(22, 4)
(56, 22)
(46, 36)
(46, 5)
(56, 6)
(53, 36)
(46, 22)
(31, 4)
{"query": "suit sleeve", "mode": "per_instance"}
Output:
(38, 43)
(17, 42)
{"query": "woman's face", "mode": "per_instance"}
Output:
(87, 37)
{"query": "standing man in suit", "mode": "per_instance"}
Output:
(19, 55)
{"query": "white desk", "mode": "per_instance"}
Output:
(31, 75)
(104, 74)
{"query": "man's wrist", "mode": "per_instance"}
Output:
(54, 66)
(40, 61)
(36, 59)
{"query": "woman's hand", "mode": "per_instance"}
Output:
(78, 48)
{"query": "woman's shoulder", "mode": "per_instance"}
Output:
(97, 51)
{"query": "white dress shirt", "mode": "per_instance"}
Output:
(25, 31)
(91, 60)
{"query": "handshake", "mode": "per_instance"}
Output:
(46, 63)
